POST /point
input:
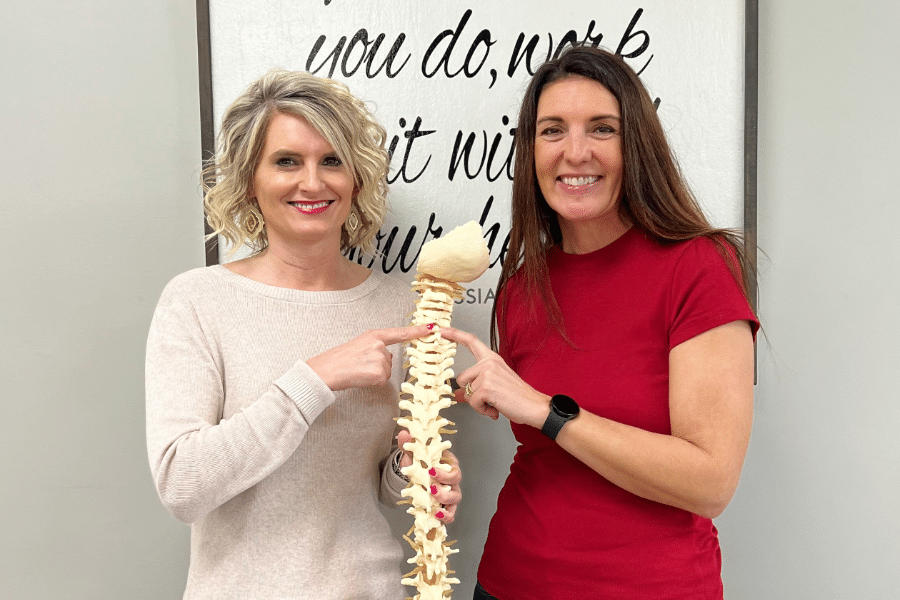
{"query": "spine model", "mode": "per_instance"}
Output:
(461, 255)
(425, 394)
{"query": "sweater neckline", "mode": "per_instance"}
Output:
(301, 296)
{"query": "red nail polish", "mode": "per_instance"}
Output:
(439, 515)
(433, 489)
(432, 472)
(430, 326)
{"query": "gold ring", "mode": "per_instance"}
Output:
(469, 390)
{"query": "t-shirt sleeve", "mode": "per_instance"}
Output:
(705, 294)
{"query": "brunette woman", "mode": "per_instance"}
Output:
(625, 362)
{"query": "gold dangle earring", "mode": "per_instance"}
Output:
(352, 221)
(253, 221)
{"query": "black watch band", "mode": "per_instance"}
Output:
(562, 410)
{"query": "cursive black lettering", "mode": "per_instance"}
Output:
(508, 163)
(411, 135)
(493, 232)
(629, 35)
(368, 53)
(334, 55)
(527, 54)
(571, 39)
(465, 153)
(452, 37)
(403, 257)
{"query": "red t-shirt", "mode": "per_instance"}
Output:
(561, 530)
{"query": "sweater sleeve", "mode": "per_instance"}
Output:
(198, 459)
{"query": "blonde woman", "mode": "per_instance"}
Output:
(272, 380)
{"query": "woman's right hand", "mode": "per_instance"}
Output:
(496, 388)
(363, 361)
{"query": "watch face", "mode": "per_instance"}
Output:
(565, 406)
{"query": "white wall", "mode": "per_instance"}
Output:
(100, 148)
(100, 153)
(816, 514)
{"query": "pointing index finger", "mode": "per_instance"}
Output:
(398, 335)
(478, 349)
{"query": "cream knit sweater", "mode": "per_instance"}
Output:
(278, 475)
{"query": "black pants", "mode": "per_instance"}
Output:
(480, 594)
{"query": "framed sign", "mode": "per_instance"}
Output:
(445, 79)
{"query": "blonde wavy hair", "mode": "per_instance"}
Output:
(339, 117)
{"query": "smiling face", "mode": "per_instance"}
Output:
(303, 189)
(578, 161)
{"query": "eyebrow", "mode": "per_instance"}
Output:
(288, 152)
(283, 152)
(554, 119)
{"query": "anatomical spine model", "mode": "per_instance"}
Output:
(460, 256)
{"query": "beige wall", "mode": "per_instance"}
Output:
(100, 156)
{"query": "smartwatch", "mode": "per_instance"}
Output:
(395, 464)
(562, 410)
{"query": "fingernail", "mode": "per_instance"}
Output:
(432, 472)
(434, 490)
(430, 326)
(439, 515)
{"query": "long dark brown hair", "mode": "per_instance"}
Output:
(655, 197)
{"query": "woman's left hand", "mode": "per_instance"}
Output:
(496, 389)
(447, 483)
